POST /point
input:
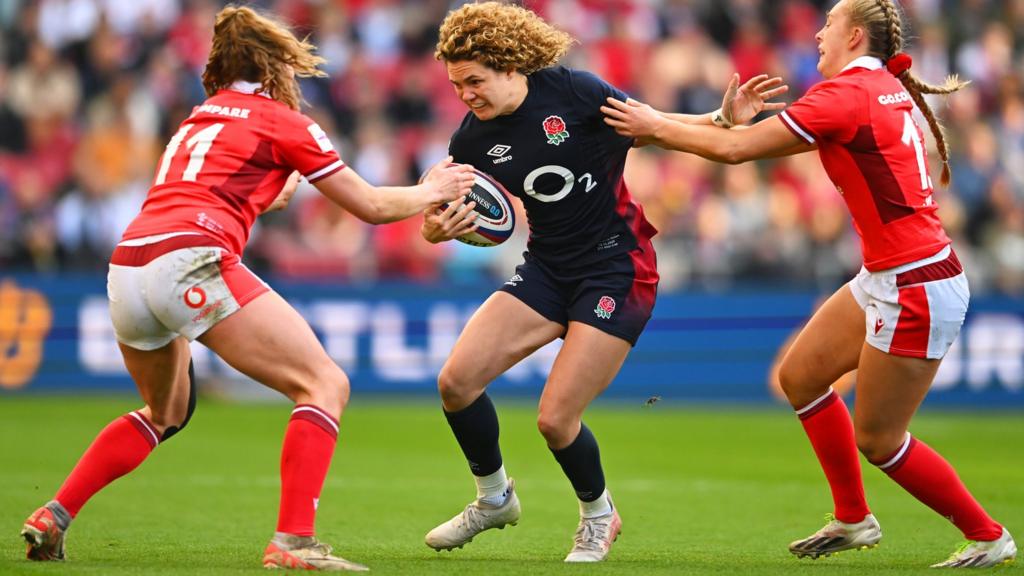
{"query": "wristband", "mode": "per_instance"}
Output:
(718, 119)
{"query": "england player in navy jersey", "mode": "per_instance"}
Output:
(589, 274)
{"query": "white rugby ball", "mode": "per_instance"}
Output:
(495, 217)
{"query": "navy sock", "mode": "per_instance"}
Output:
(476, 429)
(581, 462)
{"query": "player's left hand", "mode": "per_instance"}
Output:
(633, 119)
(742, 103)
(286, 193)
(442, 223)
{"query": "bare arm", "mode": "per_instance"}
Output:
(381, 204)
(767, 139)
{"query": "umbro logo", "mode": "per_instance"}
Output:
(499, 151)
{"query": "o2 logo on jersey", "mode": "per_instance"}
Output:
(195, 297)
(568, 181)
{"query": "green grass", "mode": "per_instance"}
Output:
(701, 491)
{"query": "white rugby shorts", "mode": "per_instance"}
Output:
(164, 286)
(916, 309)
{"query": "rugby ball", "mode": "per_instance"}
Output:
(495, 217)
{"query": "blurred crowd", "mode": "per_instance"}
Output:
(91, 90)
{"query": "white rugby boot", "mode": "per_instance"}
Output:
(477, 517)
(837, 536)
(290, 552)
(594, 536)
(982, 554)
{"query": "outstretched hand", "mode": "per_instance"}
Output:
(742, 103)
(632, 118)
(451, 180)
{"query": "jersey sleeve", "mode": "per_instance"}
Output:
(827, 111)
(593, 93)
(304, 146)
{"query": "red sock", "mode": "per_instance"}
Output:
(829, 427)
(308, 446)
(117, 450)
(929, 478)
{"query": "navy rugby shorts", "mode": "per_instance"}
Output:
(615, 296)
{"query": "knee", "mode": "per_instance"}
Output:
(789, 381)
(326, 386)
(179, 424)
(877, 445)
(167, 418)
(558, 430)
(798, 387)
(456, 390)
(335, 389)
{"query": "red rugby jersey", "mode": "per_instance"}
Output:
(874, 153)
(226, 164)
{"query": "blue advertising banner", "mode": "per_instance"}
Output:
(55, 335)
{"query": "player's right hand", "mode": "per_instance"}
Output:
(449, 181)
(442, 223)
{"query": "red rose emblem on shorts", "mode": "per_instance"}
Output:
(605, 307)
(554, 128)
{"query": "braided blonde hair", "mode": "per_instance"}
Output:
(883, 23)
(250, 46)
(502, 37)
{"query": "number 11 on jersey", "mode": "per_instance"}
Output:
(199, 144)
(912, 137)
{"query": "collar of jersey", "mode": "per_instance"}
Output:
(869, 62)
(247, 88)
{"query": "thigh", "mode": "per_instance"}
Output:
(588, 362)
(270, 342)
(828, 347)
(889, 390)
(503, 331)
(161, 375)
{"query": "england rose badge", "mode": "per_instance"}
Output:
(554, 128)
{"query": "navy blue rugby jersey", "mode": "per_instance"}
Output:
(559, 157)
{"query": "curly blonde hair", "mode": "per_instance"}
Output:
(502, 37)
(882, 21)
(252, 47)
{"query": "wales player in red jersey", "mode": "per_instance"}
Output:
(896, 319)
(176, 276)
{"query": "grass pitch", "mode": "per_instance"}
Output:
(701, 491)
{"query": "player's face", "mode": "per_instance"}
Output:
(487, 92)
(833, 41)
